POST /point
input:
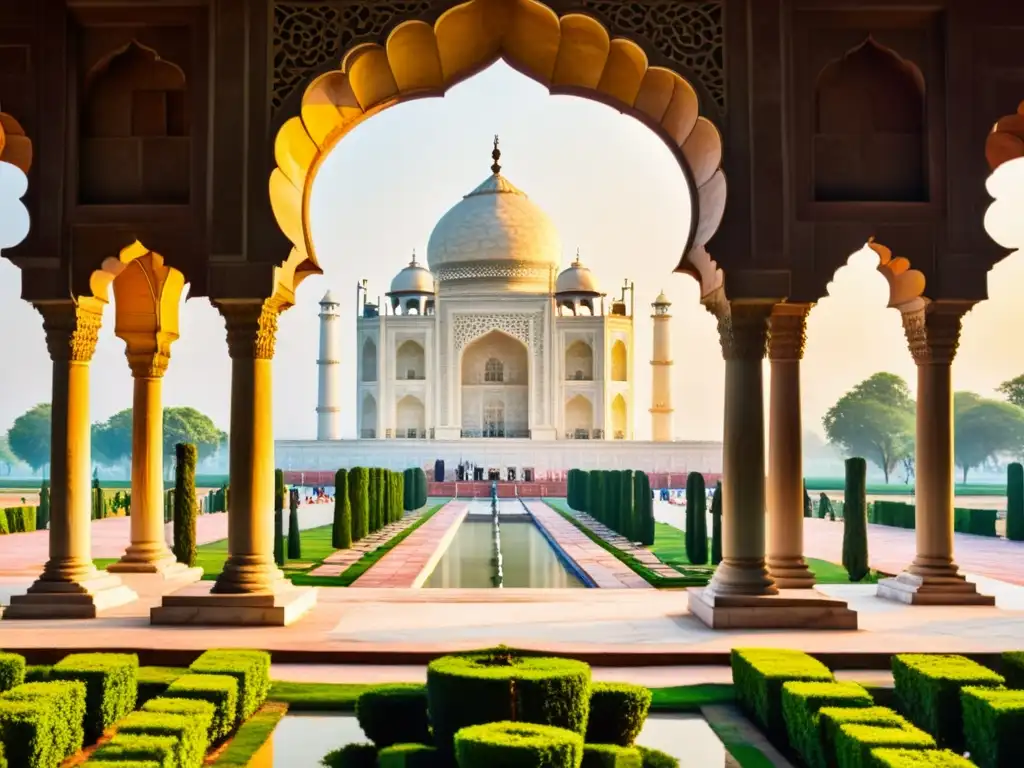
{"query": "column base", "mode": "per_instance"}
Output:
(790, 573)
(742, 577)
(167, 567)
(197, 605)
(85, 599)
(791, 609)
(914, 589)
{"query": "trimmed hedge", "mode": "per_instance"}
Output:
(27, 728)
(279, 517)
(20, 519)
(855, 742)
(111, 686)
(185, 503)
(1015, 502)
(408, 756)
(190, 734)
(394, 714)
(801, 702)
(153, 682)
(611, 756)
(250, 667)
(358, 755)
(133, 747)
(617, 713)
(928, 689)
(758, 675)
(65, 700)
(918, 758)
(1012, 667)
(495, 686)
(655, 758)
(219, 690)
(855, 522)
(517, 745)
(359, 497)
(341, 532)
(980, 522)
(993, 724)
(202, 712)
(12, 671)
(831, 719)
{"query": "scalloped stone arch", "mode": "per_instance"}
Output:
(15, 145)
(572, 54)
(906, 285)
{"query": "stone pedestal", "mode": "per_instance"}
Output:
(789, 609)
(198, 605)
(933, 333)
(70, 587)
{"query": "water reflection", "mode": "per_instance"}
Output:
(527, 559)
(301, 740)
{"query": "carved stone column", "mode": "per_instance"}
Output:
(148, 551)
(743, 333)
(251, 589)
(70, 586)
(933, 334)
(788, 325)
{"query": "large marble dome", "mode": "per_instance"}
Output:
(495, 234)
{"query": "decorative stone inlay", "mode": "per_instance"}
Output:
(788, 332)
(933, 333)
(251, 327)
(505, 270)
(72, 330)
(691, 35)
(469, 327)
(743, 331)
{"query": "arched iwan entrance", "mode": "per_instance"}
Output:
(495, 387)
(572, 54)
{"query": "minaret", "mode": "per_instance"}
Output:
(328, 409)
(661, 372)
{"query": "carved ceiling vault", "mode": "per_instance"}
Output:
(689, 35)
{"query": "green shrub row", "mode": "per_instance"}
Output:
(250, 668)
(367, 499)
(1015, 502)
(111, 686)
(618, 499)
(415, 489)
(18, 519)
(900, 514)
(758, 675)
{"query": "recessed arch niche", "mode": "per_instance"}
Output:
(572, 54)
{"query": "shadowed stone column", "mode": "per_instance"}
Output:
(788, 326)
(933, 334)
(70, 586)
(743, 332)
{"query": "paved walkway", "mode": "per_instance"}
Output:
(604, 569)
(338, 563)
(408, 564)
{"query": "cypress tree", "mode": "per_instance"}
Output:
(808, 507)
(647, 517)
(716, 525)
(359, 497)
(420, 499)
(371, 486)
(611, 492)
(294, 535)
(279, 516)
(570, 487)
(43, 511)
(626, 504)
(597, 494)
(855, 520)
(97, 498)
(696, 519)
(341, 532)
(825, 506)
(185, 504)
(408, 490)
(593, 492)
(1015, 502)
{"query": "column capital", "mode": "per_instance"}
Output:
(788, 332)
(72, 328)
(742, 329)
(148, 354)
(252, 328)
(933, 331)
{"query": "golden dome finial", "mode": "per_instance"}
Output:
(577, 262)
(496, 155)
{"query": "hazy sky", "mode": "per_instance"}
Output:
(612, 189)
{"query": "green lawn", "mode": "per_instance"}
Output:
(670, 547)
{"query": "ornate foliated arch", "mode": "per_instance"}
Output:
(15, 146)
(571, 54)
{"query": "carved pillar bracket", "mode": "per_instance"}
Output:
(933, 332)
(72, 329)
(148, 359)
(788, 332)
(743, 330)
(252, 328)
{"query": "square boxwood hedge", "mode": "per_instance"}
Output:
(196, 709)
(854, 742)
(408, 756)
(919, 758)
(67, 699)
(219, 690)
(830, 719)
(134, 747)
(12, 671)
(1012, 667)
(250, 667)
(801, 702)
(611, 756)
(111, 686)
(394, 714)
(26, 729)
(617, 713)
(928, 689)
(993, 726)
(153, 682)
(120, 764)
(190, 733)
(759, 674)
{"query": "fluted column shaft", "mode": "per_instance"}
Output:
(743, 332)
(788, 330)
(250, 567)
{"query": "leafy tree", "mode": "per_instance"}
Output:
(984, 428)
(875, 419)
(29, 438)
(112, 439)
(1013, 390)
(7, 457)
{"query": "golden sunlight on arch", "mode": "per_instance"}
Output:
(15, 146)
(573, 54)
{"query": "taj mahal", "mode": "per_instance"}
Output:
(491, 354)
